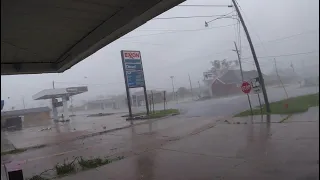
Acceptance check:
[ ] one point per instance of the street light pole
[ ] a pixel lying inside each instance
(173, 93)
(254, 58)
(190, 86)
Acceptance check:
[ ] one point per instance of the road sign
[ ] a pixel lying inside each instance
(255, 84)
(133, 68)
(245, 87)
(133, 75)
(135, 79)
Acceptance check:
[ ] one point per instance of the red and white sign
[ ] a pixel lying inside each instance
(131, 55)
(245, 87)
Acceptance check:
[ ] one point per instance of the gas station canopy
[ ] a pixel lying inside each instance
(59, 92)
(51, 36)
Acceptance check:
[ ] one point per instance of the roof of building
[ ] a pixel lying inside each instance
(59, 92)
(51, 36)
(234, 76)
(21, 112)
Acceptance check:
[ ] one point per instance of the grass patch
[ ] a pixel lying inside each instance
(155, 114)
(14, 151)
(100, 114)
(163, 113)
(92, 163)
(65, 168)
(96, 162)
(135, 114)
(295, 105)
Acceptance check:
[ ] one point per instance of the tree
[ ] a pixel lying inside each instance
(236, 62)
(217, 64)
(182, 91)
(225, 64)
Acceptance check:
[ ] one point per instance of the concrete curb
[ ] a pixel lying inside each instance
(286, 118)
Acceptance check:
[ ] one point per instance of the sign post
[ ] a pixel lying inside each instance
(255, 84)
(246, 88)
(133, 75)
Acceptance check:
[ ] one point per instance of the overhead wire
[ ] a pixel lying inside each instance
(177, 31)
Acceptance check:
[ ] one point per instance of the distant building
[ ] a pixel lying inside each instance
(29, 117)
(138, 98)
(229, 82)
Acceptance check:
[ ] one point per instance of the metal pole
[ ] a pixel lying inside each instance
(152, 102)
(127, 87)
(199, 89)
(24, 105)
(53, 84)
(242, 75)
(260, 104)
(146, 98)
(190, 86)
(254, 57)
(173, 93)
(164, 100)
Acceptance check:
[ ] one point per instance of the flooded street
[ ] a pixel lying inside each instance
(81, 125)
(202, 148)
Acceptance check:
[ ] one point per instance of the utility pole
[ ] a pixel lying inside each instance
(173, 93)
(190, 86)
(292, 66)
(275, 65)
(199, 89)
(254, 57)
(238, 54)
(24, 105)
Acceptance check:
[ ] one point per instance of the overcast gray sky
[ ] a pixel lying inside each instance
(277, 27)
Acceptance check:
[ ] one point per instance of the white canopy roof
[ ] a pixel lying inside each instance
(59, 92)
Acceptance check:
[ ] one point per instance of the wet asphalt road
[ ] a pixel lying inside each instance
(194, 148)
(197, 117)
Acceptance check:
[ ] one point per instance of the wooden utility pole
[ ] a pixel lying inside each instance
(190, 86)
(275, 65)
(254, 57)
(238, 54)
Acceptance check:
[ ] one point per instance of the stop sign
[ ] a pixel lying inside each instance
(245, 87)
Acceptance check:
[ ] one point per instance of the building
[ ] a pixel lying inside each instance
(26, 117)
(138, 98)
(64, 94)
(229, 82)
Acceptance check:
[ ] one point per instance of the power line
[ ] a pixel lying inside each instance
(172, 32)
(283, 55)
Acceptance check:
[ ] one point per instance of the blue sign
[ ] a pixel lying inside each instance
(133, 68)
(135, 79)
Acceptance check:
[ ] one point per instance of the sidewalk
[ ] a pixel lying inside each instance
(258, 150)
